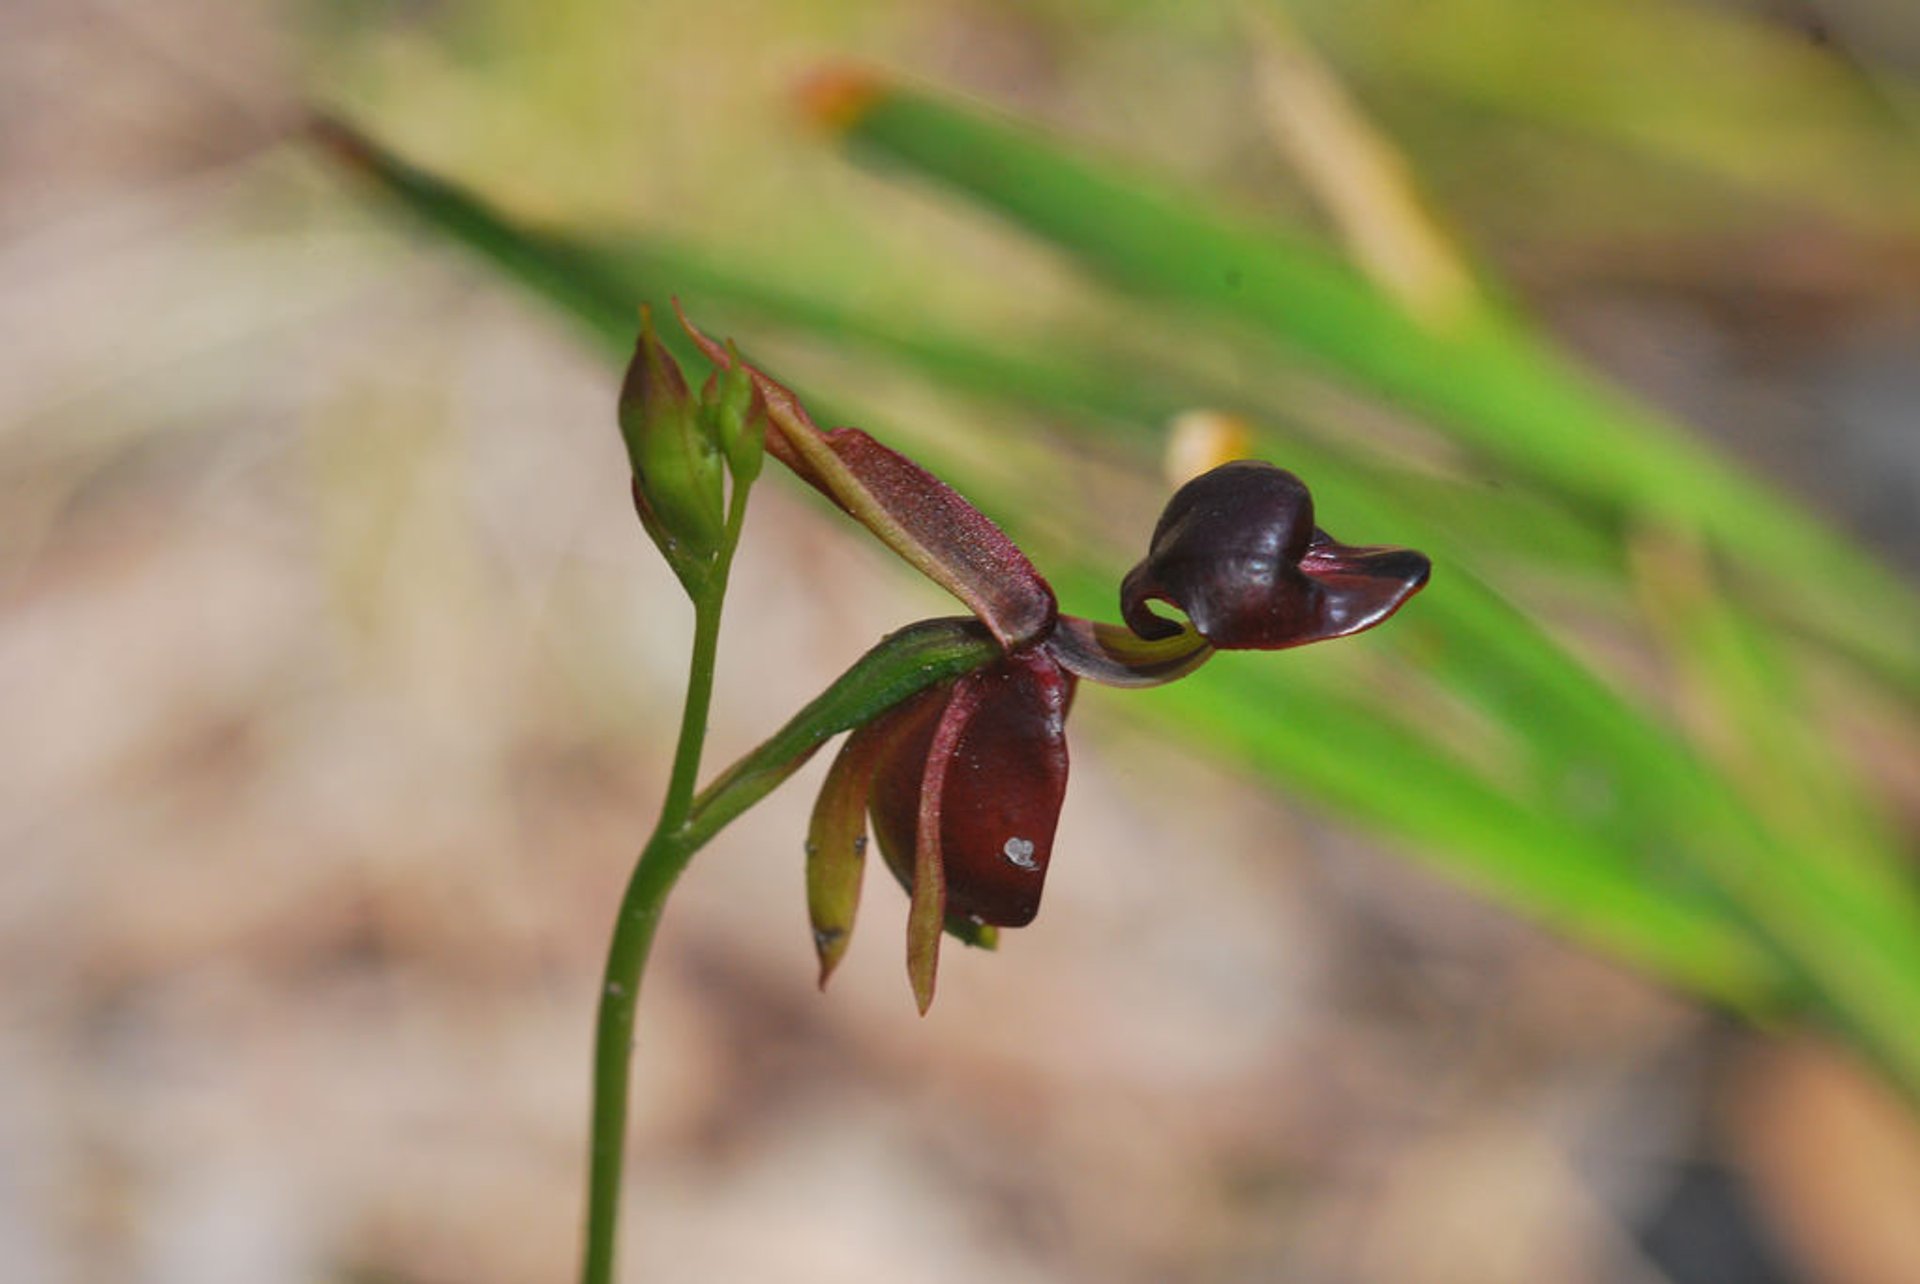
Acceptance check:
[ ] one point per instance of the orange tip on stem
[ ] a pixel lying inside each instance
(836, 98)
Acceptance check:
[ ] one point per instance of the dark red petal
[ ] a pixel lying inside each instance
(927, 908)
(1237, 550)
(894, 803)
(913, 512)
(1000, 795)
(948, 539)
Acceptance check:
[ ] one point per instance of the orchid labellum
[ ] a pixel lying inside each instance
(962, 783)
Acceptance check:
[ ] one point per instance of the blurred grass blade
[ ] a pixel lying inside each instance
(1360, 178)
(1751, 713)
(1669, 827)
(1833, 847)
(553, 268)
(1739, 95)
(1488, 381)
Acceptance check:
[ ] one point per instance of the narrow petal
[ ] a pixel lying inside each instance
(926, 916)
(943, 536)
(913, 512)
(1237, 550)
(837, 838)
(894, 801)
(966, 799)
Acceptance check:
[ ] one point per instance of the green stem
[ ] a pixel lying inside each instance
(653, 877)
(654, 874)
(693, 719)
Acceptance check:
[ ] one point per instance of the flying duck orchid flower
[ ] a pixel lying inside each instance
(962, 782)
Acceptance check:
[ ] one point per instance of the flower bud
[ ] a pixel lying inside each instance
(737, 418)
(677, 482)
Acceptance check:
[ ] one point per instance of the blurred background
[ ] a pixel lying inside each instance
(1561, 931)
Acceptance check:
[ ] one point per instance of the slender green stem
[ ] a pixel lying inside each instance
(693, 719)
(654, 874)
(653, 877)
(665, 855)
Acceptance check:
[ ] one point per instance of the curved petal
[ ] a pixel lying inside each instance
(913, 512)
(927, 909)
(837, 832)
(1237, 550)
(941, 535)
(837, 849)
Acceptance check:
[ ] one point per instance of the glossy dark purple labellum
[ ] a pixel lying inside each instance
(1237, 550)
(994, 785)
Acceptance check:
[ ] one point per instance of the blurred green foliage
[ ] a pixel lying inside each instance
(1736, 852)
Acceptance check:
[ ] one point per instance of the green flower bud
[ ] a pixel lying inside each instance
(737, 416)
(677, 476)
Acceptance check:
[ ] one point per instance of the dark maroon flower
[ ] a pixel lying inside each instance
(963, 782)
